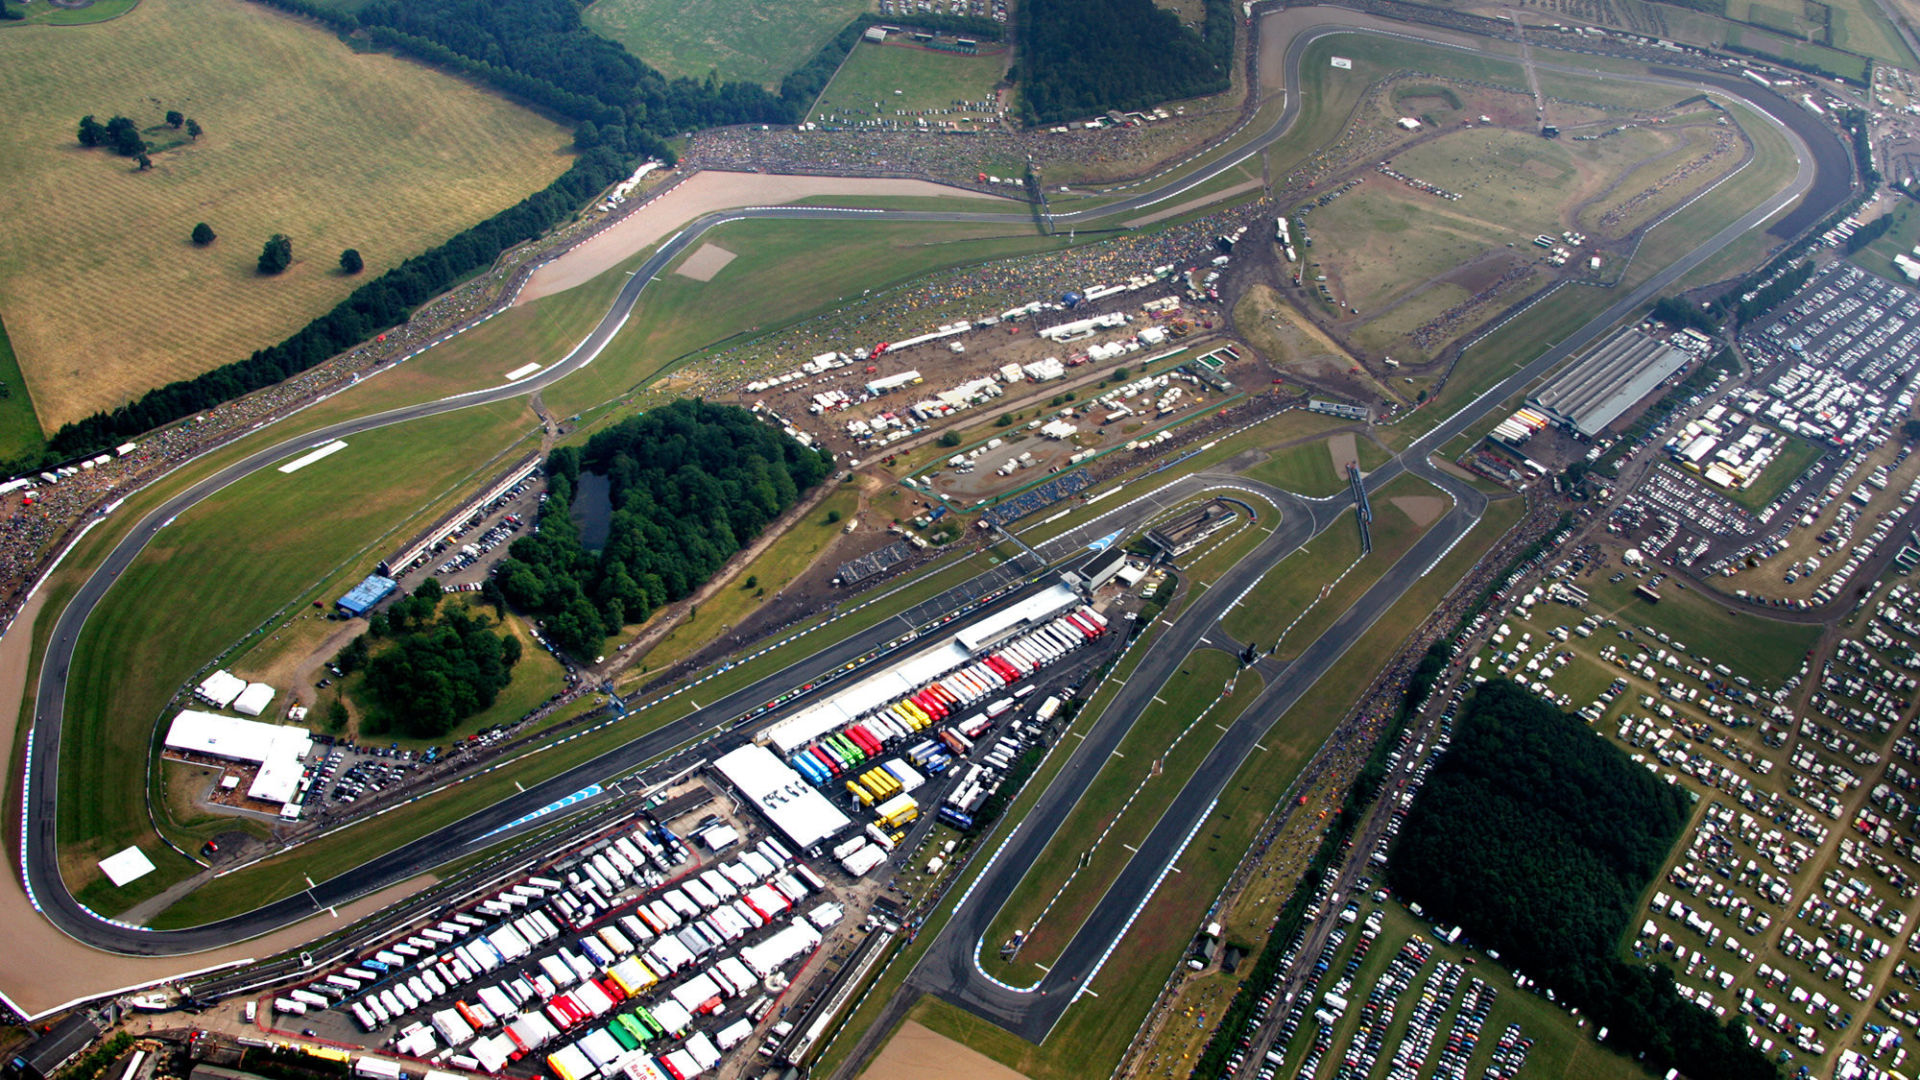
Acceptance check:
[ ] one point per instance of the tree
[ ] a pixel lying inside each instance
(350, 262)
(1911, 430)
(950, 439)
(193, 128)
(277, 255)
(752, 582)
(203, 234)
(336, 715)
(143, 162)
(175, 118)
(92, 132)
(125, 137)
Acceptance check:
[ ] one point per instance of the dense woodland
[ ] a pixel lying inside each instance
(690, 484)
(1085, 57)
(428, 668)
(1538, 837)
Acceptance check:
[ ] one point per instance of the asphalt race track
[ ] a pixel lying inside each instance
(948, 968)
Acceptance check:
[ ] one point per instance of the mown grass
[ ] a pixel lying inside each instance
(212, 576)
(878, 79)
(49, 15)
(1793, 463)
(1743, 640)
(1306, 469)
(757, 43)
(20, 432)
(104, 294)
(1290, 587)
(679, 316)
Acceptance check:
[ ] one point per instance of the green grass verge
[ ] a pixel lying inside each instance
(1128, 796)
(1791, 465)
(1291, 586)
(879, 80)
(759, 43)
(20, 434)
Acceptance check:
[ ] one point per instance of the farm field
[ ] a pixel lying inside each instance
(327, 526)
(102, 306)
(748, 42)
(905, 77)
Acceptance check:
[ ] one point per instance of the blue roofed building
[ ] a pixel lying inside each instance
(363, 597)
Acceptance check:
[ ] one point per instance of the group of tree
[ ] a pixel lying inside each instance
(7, 12)
(1538, 836)
(123, 137)
(428, 668)
(1672, 309)
(1083, 57)
(689, 484)
(1864, 236)
(381, 303)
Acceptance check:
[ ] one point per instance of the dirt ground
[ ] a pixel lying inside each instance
(700, 194)
(918, 1053)
(706, 262)
(1423, 509)
(1343, 449)
(42, 969)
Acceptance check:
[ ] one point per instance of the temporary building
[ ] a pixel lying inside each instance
(254, 699)
(221, 688)
(275, 748)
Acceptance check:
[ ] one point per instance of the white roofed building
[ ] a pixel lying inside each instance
(277, 750)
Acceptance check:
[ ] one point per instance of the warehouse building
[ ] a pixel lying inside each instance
(1341, 409)
(278, 751)
(422, 544)
(1597, 388)
(53, 1051)
(367, 595)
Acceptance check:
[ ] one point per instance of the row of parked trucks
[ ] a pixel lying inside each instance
(926, 711)
(588, 990)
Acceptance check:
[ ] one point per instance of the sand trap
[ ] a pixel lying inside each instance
(703, 193)
(706, 262)
(1343, 450)
(918, 1053)
(1423, 509)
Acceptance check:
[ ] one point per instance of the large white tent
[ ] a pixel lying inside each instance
(254, 699)
(276, 749)
(221, 688)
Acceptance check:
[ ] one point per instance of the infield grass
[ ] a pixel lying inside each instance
(216, 573)
(103, 293)
(751, 41)
(1743, 640)
(1159, 753)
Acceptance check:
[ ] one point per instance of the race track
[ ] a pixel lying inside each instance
(948, 968)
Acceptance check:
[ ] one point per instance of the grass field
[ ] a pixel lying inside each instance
(1793, 462)
(1290, 587)
(49, 15)
(877, 80)
(682, 315)
(1767, 650)
(321, 525)
(746, 40)
(1306, 469)
(304, 136)
(19, 429)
